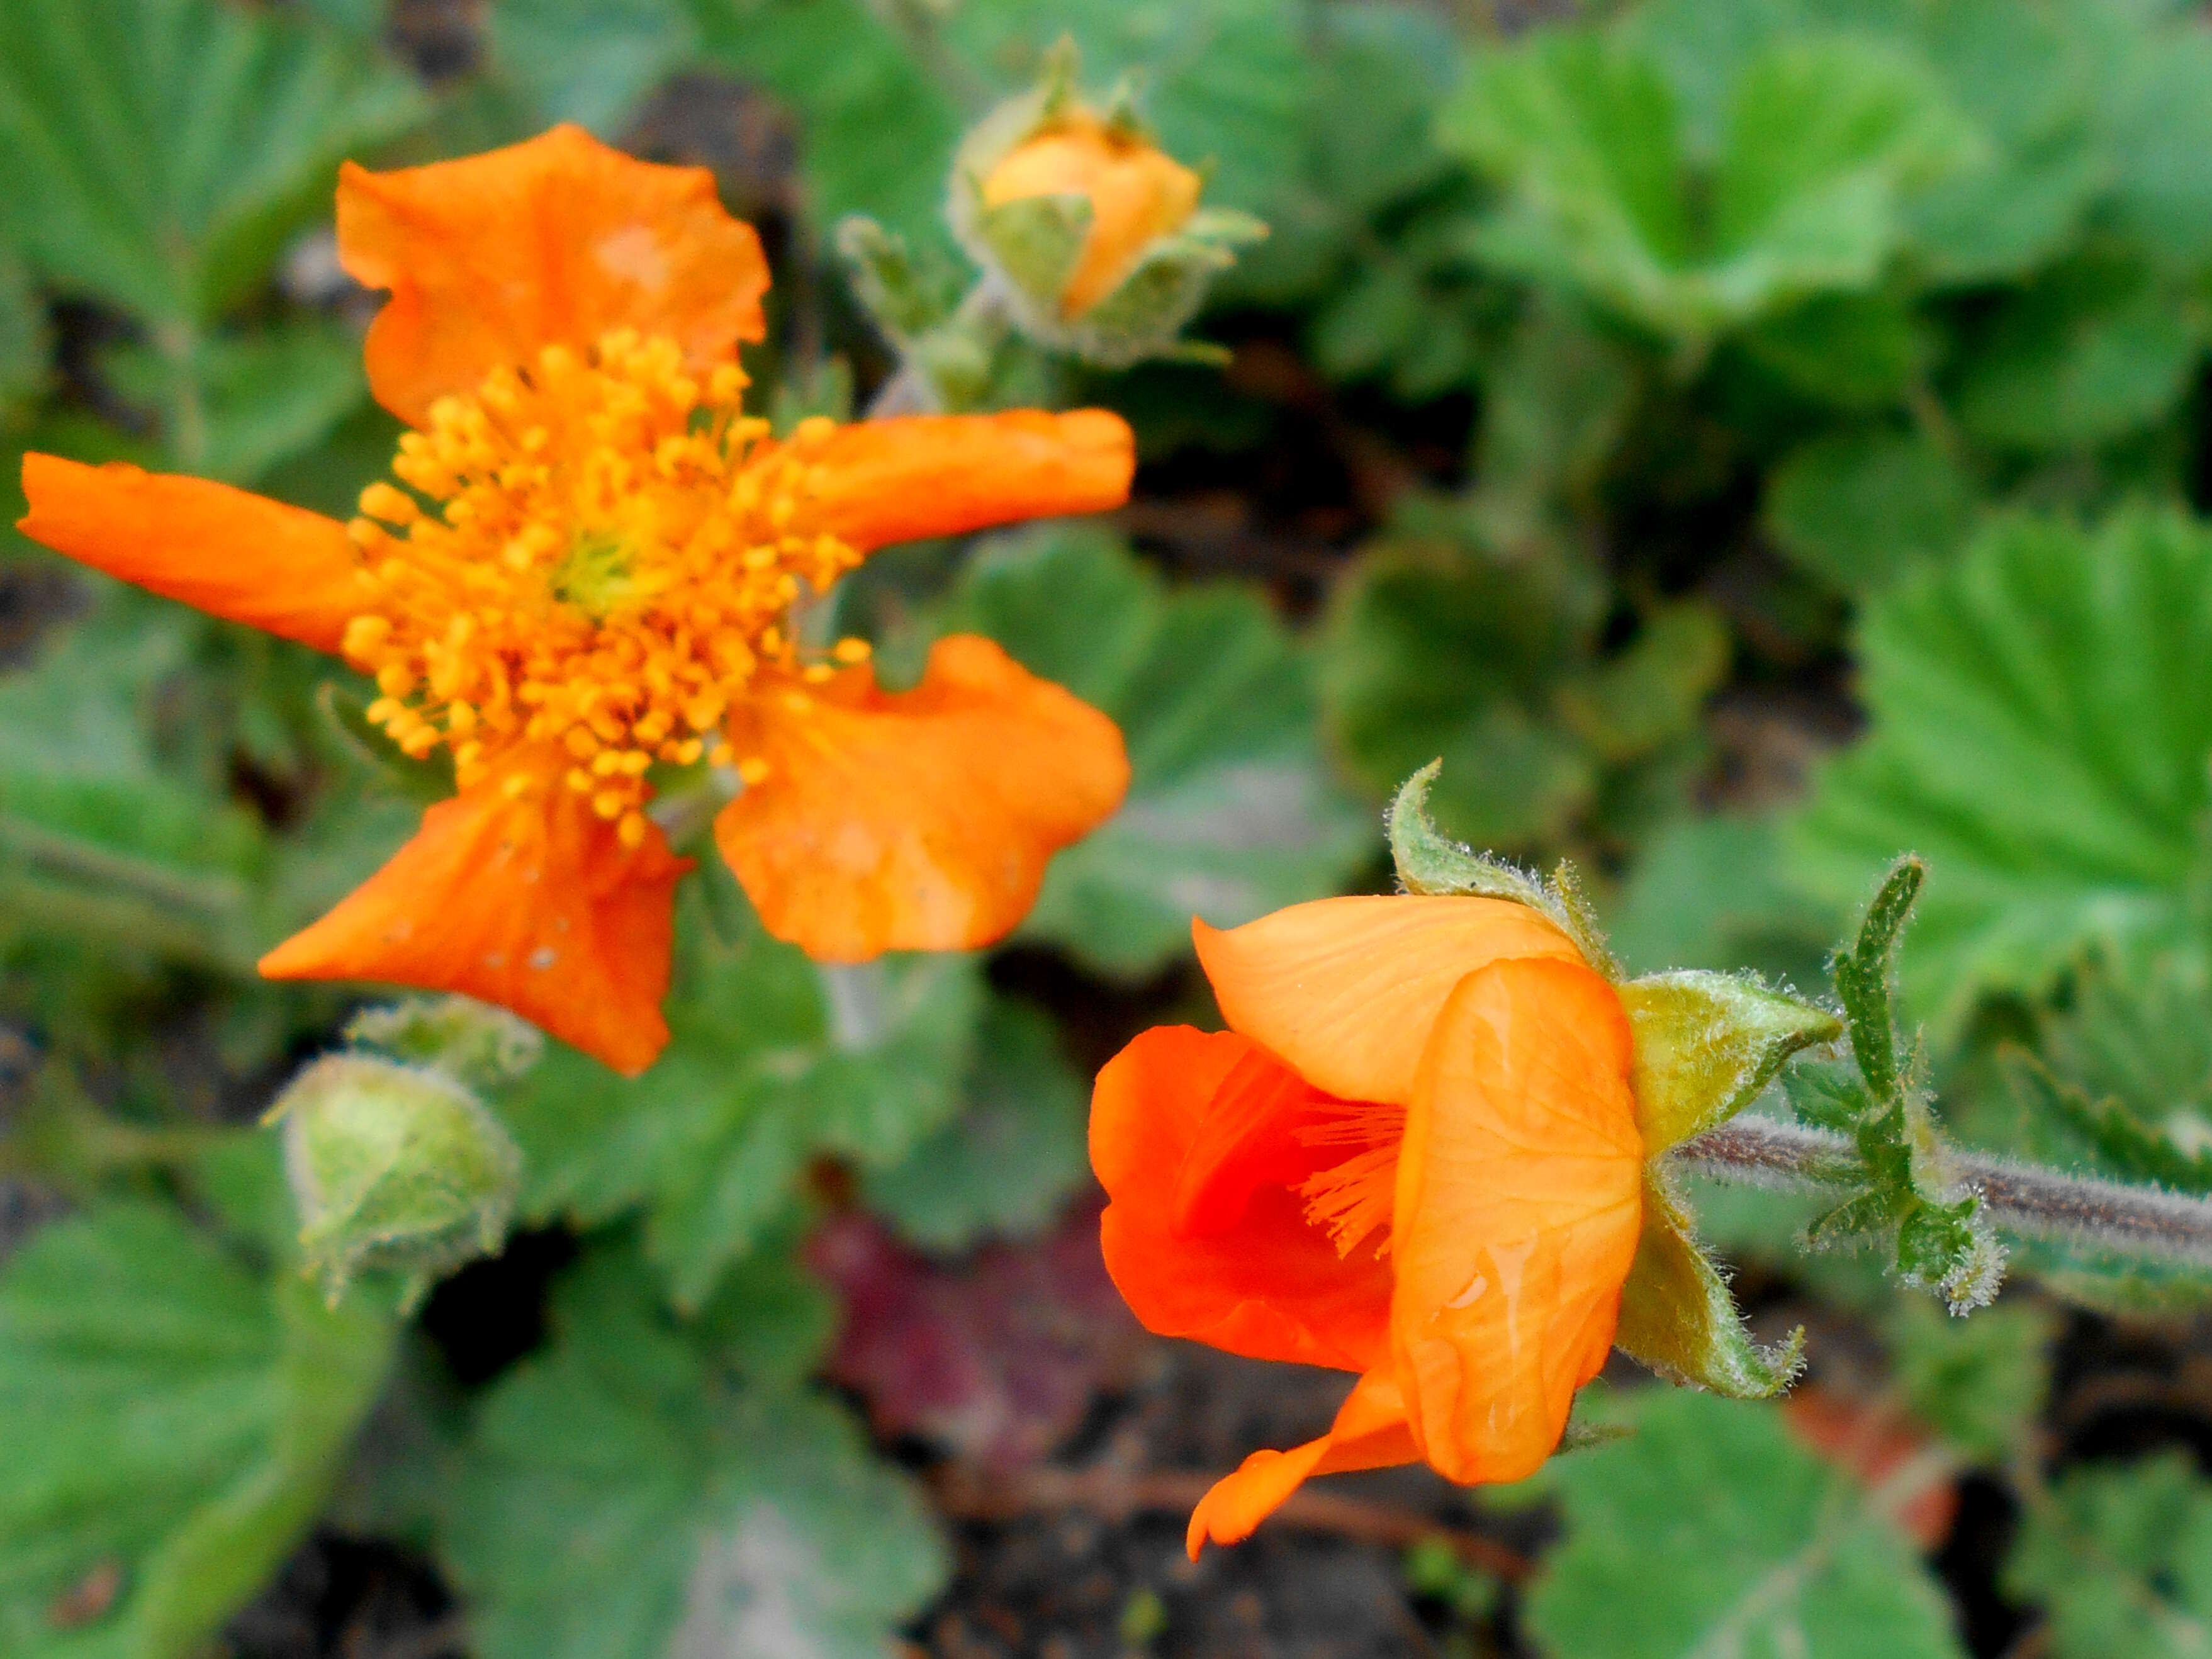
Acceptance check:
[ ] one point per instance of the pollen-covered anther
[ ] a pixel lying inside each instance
(604, 555)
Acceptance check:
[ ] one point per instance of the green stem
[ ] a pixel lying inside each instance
(2024, 1199)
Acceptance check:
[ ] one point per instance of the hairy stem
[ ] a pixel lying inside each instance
(2020, 1199)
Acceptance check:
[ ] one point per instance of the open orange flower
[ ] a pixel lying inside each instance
(592, 572)
(1414, 1155)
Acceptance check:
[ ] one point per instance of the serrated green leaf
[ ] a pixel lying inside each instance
(257, 400)
(2158, 116)
(2120, 1557)
(1010, 1159)
(1851, 350)
(191, 1418)
(2119, 1143)
(1231, 811)
(1713, 892)
(24, 341)
(2094, 349)
(1776, 1554)
(1859, 509)
(155, 153)
(625, 1496)
(2038, 733)
(773, 1063)
(1979, 1383)
(1584, 133)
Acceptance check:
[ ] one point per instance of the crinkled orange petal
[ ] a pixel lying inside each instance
(555, 241)
(1519, 1203)
(531, 903)
(1261, 1281)
(917, 820)
(908, 478)
(225, 551)
(1346, 989)
(1369, 1433)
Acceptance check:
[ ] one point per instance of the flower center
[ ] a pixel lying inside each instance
(597, 557)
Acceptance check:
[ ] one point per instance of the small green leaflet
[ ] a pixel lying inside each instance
(2038, 733)
(640, 1491)
(1859, 508)
(2120, 1558)
(154, 153)
(774, 1063)
(191, 1416)
(1231, 812)
(1711, 1531)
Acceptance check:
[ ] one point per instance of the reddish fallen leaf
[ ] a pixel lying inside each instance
(1873, 1442)
(994, 1356)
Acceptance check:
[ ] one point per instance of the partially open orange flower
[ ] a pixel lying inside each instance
(1414, 1155)
(591, 572)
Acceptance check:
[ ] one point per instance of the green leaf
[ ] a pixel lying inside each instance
(1711, 1531)
(1585, 134)
(1713, 892)
(773, 1063)
(1979, 1383)
(1859, 509)
(2037, 732)
(154, 153)
(192, 1419)
(253, 401)
(2160, 111)
(637, 1490)
(2119, 1143)
(1851, 350)
(24, 343)
(1009, 1161)
(591, 61)
(2095, 349)
(2120, 1557)
(1231, 811)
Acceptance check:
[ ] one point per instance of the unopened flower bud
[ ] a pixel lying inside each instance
(394, 1168)
(479, 1044)
(1095, 233)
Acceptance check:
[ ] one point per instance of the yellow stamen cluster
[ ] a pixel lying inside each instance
(599, 555)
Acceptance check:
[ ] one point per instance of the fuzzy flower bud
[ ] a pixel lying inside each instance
(394, 1168)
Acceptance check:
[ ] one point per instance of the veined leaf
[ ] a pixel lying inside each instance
(1231, 812)
(155, 153)
(2038, 733)
(641, 1491)
(1859, 509)
(590, 61)
(1776, 1552)
(182, 1420)
(773, 1062)
(2120, 1555)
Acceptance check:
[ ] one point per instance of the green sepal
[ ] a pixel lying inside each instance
(1706, 1045)
(1035, 240)
(1152, 305)
(1678, 1319)
(891, 288)
(471, 1042)
(1430, 863)
(394, 1168)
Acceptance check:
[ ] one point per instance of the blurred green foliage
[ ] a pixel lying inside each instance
(1746, 439)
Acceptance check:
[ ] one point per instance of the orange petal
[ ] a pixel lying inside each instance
(532, 903)
(912, 476)
(1257, 1278)
(219, 549)
(1369, 1433)
(1346, 989)
(556, 241)
(1137, 194)
(1518, 1207)
(918, 820)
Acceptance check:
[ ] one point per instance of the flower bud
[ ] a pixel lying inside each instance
(394, 1168)
(1095, 233)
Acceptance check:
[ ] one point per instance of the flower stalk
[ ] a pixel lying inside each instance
(2023, 1199)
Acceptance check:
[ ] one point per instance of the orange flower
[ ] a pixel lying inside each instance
(591, 572)
(1414, 1155)
(1137, 194)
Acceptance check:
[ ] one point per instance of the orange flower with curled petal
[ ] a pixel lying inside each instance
(587, 571)
(1414, 1155)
